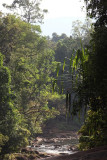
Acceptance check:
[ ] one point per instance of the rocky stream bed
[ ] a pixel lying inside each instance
(60, 146)
(56, 143)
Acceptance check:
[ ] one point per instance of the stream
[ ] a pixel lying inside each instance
(57, 144)
(52, 149)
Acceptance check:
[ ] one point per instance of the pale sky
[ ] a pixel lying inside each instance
(63, 8)
(60, 15)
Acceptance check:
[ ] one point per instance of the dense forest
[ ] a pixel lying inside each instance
(42, 77)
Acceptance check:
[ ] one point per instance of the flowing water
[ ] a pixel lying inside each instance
(55, 145)
(52, 149)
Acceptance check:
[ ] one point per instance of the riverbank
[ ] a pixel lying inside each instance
(55, 142)
(99, 153)
(58, 144)
(50, 144)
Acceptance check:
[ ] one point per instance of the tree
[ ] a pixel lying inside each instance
(65, 49)
(87, 91)
(31, 64)
(55, 37)
(29, 10)
(11, 123)
(81, 30)
(96, 80)
(91, 90)
(98, 10)
(61, 51)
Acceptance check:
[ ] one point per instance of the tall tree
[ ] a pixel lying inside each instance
(92, 81)
(88, 83)
(31, 64)
(29, 10)
(11, 123)
(97, 9)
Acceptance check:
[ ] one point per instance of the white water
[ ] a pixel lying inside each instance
(55, 145)
(53, 149)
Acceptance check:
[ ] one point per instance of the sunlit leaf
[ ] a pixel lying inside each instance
(57, 70)
(64, 65)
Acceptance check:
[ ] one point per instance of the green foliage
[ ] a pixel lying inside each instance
(1, 60)
(91, 90)
(11, 127)
(8, 157)
(30, 10)
(5, 75)
(58, 68)
(31, 64)
(3, 140)
(98, 10)
(56, 38)
(26, 74)
(20, 31)
(61, 51)
(58, 102)
(85, 76)
(65, 51)
(91, 87)
(82, 31)
(93, 131)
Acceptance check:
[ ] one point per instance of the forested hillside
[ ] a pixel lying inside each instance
(86, 78)
(43, 77)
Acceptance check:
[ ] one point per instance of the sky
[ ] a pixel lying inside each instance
(61, 14)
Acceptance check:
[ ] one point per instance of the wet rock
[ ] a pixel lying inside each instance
(26, 156)
(29, 151)
(75, 148)
(31, 157)
(42, 155)
(50, 141)
(36, 152)
(63, 136)
(63, 154)
(39, 139)
(38, 145)
(25, 150)
(21, 158)
(56, 146)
